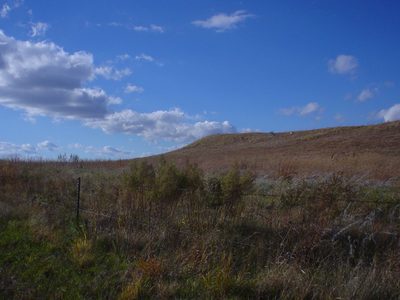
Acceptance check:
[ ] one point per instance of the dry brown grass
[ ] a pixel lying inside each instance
(369, 151)
(305, 239)
(322, 227)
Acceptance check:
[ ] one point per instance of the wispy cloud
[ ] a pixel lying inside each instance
(123, 57)
(148, 58)
(366, 94)
(309, 108)
(5, 9)
(110, 72)
(151, 28)
(131, 88)
(10, 149)
(103, 152)
(144, 57)
(390, 114)
(38, 29)
(148, 28)
(343, 65)
(222, 22)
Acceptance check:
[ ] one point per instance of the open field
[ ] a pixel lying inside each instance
(289, 216)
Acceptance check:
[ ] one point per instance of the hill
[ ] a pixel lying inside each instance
(372, 151)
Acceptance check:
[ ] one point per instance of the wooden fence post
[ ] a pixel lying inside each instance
(78, 196)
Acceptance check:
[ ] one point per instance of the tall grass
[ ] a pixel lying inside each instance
(167, 232)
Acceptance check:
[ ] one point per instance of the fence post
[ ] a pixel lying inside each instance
(78, 196)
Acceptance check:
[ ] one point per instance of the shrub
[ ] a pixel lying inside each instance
(234, 185)
(168, 182)
(214, 192)
(140, 180)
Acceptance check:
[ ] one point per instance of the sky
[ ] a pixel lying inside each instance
(122, 79)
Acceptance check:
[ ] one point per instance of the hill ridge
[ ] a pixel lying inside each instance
(368, 149)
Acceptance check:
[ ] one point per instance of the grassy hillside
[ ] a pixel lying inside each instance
(369, 151)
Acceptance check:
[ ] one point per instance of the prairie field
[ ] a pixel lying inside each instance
(175, 227)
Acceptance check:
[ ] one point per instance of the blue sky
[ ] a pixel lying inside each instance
(121, 79)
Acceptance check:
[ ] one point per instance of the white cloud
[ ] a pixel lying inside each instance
(106, 151)
(343, 64)
(131, 88)
(114, 151)
(169, 125)
(222, 22)
(309, 108)
(366, 94)
(149, 28)
(109, 72)
(47, 145)
(139, 28)
(10, 149)
(38, 29)
(42, 79)
(123, 57)
(115, 24)
(390, 114)
(144, 57)
(5, 9)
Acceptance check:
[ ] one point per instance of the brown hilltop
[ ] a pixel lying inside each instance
(372, 151)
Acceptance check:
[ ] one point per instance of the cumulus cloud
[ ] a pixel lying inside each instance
(149, 28)
(343, 65)
(170, 125)
(38, 29)
(309, 108)
(366, 94)
(42, 79)
(131, 88)
(222, 22)
(390, 114)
